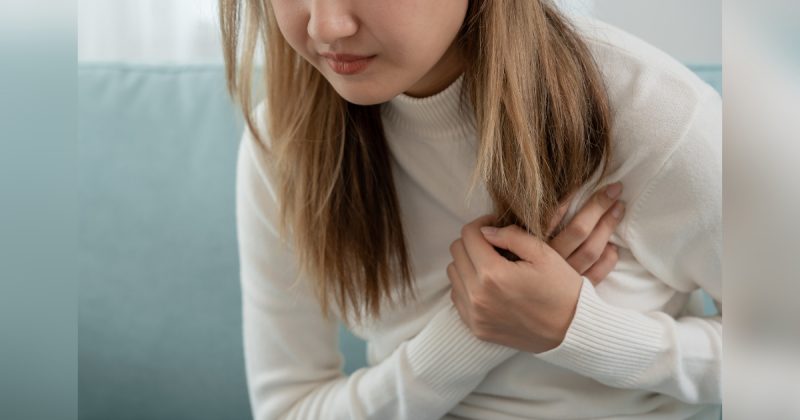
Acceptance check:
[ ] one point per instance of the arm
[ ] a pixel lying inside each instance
(675, 232)
(293, 365)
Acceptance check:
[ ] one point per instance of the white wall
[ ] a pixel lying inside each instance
(186, 31)
(690, 30)
(149, 31)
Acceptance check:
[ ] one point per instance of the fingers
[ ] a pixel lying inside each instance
(589, 252)
(480, 251)
(582, 225)
(458, 290)
(603, 266)
(461, 261)
(514, 239)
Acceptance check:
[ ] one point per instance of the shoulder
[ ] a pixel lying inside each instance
(666, 136)
(658, 105)
(253, 147)
(646, 87)
(626, 60)
(261, 136)
(253, 163)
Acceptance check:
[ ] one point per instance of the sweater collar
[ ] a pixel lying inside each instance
(436, 116)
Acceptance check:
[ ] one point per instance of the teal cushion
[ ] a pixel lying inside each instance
(160, 315)
(710, 73)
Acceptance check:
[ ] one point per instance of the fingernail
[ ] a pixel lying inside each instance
(618, 209)
(613, 190)
(489, 230)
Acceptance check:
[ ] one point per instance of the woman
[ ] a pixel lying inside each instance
(408, 171)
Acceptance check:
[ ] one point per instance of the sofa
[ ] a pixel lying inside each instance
(159, 303)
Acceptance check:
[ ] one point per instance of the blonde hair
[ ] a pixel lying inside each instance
(543, 125)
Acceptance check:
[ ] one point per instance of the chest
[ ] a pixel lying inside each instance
(432, 186)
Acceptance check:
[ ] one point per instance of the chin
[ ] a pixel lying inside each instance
(363, 95)
(362, 102)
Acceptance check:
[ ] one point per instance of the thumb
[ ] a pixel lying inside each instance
(514, 239)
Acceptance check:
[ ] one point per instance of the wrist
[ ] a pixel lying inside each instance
(560, 323)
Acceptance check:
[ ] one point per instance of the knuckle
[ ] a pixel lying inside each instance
(480, 325)
(590, 255)
(596, 273)
(486, 277)
(578, 230)
(579, 261)
(590, 274)
(454, 246)
(475, 302)
(602, 199)
(609, 219)
(490, 283)
(479, 304)
(594, 278)
(611, 253)
(465, 229)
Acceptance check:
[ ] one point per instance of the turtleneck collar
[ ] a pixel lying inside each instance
(436, 116)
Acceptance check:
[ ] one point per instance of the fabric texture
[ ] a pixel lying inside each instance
(634, 348)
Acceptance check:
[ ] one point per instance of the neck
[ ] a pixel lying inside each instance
(442, 75)
(437, 116)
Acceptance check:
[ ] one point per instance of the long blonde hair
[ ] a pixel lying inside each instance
(543, 124)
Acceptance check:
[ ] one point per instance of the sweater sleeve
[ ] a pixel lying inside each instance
(675, 232)
(292, 361)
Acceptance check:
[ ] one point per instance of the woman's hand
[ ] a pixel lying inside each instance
(584, 241)
(526, 304)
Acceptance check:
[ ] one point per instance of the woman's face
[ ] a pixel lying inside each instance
(410, 44)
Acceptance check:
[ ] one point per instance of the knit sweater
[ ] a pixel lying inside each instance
(633, 349)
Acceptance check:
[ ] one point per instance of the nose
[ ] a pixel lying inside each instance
(331, 20)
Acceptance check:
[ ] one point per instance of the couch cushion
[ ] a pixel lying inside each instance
(159, 305)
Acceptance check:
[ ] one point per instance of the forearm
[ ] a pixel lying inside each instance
(628, 349)
(424, 378)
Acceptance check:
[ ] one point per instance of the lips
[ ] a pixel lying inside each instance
(345, 58)
(347, 64)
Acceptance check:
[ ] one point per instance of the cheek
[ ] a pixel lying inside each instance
(292, 23)
(423, 32)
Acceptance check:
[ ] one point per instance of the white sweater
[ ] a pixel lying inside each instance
(632, 350)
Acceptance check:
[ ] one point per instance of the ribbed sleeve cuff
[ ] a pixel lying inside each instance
(446, 355)
(610, 344)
